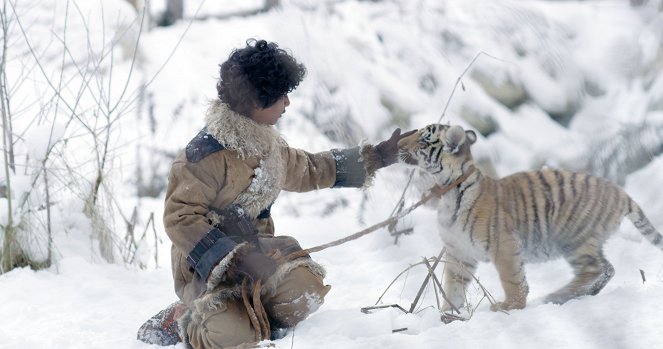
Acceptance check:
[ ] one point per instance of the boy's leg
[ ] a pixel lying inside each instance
(297, 295)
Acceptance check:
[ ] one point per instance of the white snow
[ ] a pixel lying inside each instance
(380, 65)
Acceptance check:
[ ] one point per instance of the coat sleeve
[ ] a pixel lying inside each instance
(191, 187)
(329, 169)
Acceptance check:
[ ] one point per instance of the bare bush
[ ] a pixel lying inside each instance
(60, 139)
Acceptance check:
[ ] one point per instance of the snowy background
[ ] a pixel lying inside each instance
(574, 84)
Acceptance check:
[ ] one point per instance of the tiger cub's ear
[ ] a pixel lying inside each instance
(455, 137)
(471, 136)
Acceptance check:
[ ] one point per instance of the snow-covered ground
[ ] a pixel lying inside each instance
(84, 305)
(376, 65)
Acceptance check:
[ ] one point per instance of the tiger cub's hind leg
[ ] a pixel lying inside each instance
(592, 272)
(457, 275)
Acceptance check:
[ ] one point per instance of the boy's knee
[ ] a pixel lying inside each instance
(299, 294)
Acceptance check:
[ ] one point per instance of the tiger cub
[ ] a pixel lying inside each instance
(525, 217)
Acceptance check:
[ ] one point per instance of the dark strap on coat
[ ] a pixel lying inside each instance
(201, 146)
(207, 253)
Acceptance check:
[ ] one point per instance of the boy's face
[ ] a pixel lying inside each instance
(271, 114)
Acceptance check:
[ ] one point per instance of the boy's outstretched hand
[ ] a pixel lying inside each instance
(388, 150)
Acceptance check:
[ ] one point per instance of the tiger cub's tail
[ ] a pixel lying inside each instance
(643, 224)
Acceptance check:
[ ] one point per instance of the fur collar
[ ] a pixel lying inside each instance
(240, 133)
(250, 139)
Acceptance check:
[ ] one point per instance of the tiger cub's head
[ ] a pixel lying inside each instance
(437, 147)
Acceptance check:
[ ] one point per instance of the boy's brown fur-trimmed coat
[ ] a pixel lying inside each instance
(250, 168)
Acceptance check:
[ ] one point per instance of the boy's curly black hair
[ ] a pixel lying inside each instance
(257, 75)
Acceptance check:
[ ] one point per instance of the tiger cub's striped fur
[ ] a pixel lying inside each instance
(525, 217)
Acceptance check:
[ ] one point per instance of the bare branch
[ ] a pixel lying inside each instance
(416, 299)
